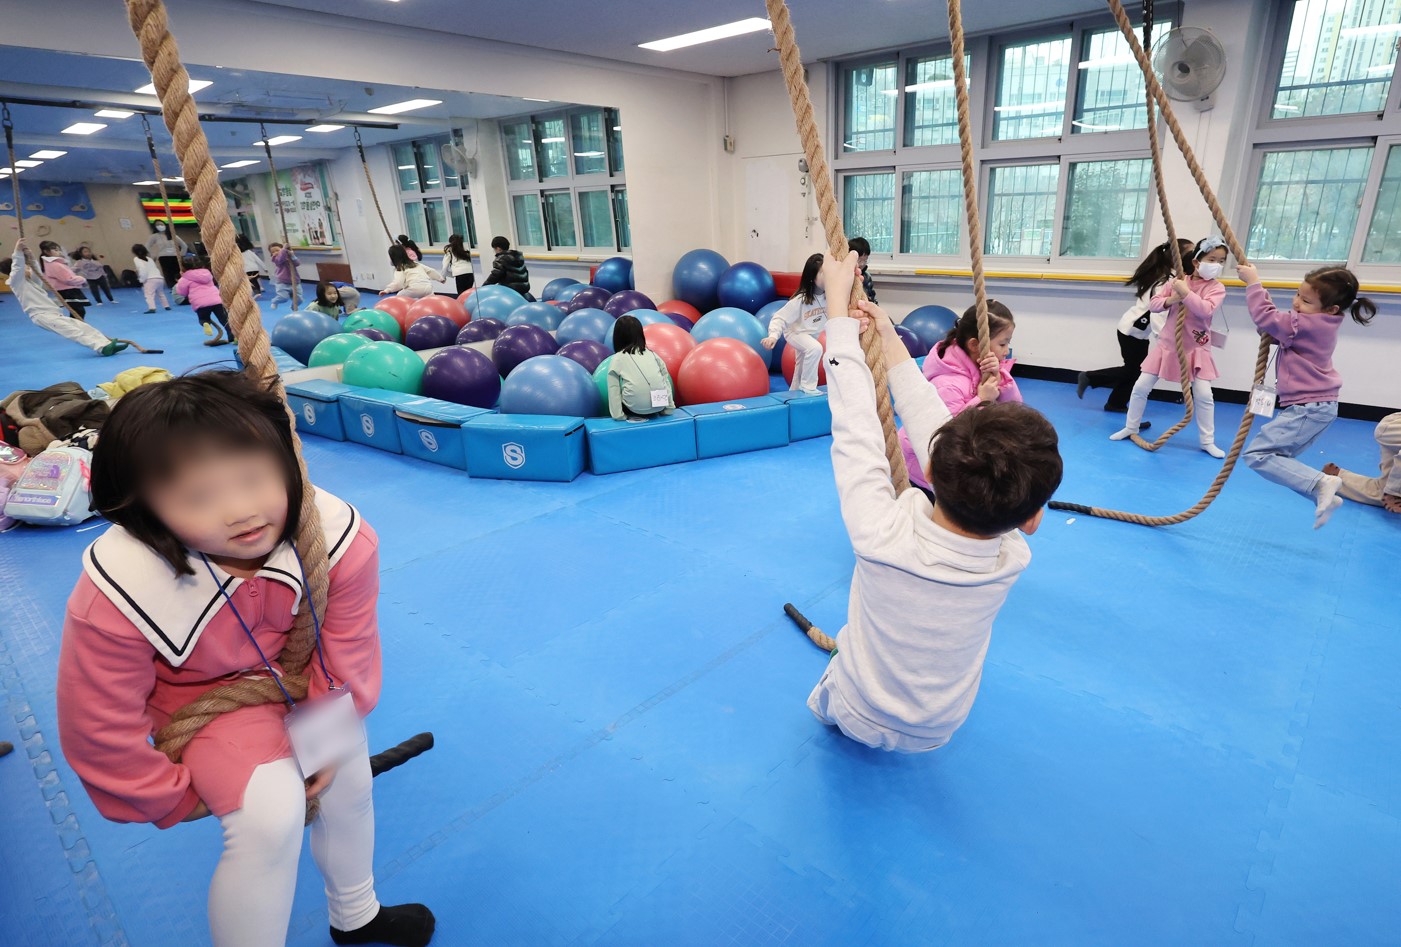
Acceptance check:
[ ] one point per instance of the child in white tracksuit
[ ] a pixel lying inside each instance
(800, 322)
(46, 313)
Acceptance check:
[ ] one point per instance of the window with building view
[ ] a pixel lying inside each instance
(434, 197)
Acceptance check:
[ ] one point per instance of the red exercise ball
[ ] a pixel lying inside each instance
(396, 306)
(671, 343)
(679, 308)
(465, 295)
(790, 361)
(721, 370)
(439, 306)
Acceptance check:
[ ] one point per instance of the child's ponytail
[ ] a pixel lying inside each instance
(1363, 311)
(1338, 287)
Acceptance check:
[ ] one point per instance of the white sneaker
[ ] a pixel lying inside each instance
(1122, 435)
(1214, 451)
(1326, 493)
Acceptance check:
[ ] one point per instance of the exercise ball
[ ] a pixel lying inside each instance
(594, 325)
(913, 343)
(374, 319)
(649, 317)
(395, 305)
(494, 302)
(721, 370)
(552, 288)
(765, 316)
(731, 323)
(600, 381)
(586, 352)
(550, 384)
(374, 335)
(463, 376)
(565, 293)
(679, 320)
(465, 295)
(614, 274)
(297, 333)
(695, 278)
(431, 332)
(620, 304)
(480, 330)
(386, 365)
(675, 307)
(334, 349)
(790, 362)
(439, 306)
(517, 344)
(543, 315)
(590, 297)
(930, 323)
(746, 286)
(671, 343)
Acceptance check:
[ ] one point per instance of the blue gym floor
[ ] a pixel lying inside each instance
(1184, 736)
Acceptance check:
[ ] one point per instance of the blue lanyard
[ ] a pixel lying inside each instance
(315, 624)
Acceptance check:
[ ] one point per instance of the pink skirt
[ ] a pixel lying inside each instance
(1162, 361)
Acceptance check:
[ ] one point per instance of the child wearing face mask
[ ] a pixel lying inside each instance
(1307, 383)
(1196, 299)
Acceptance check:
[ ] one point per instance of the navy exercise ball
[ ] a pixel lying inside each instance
(746, 286)
(696, 278)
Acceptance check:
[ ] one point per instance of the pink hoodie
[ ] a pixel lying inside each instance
(60, 275)
(198, 287)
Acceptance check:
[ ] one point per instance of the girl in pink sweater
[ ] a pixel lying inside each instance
(956, 370)
(196, 585)
(1195, 298)
(61, 277)
(197, 285)
(1307, 383)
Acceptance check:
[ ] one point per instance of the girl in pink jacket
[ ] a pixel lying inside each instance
(197, 285)
(1196, 299)
(61, 277)
(956, 369)
(196, 585)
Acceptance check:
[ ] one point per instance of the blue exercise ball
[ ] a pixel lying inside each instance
(566, 293)
(297, 333)
(732, 323)
(746, 286)
(614, 274)
(592, 325)
(494, 302)
(930, 324)
(648, 316)
(696, 278)
(543, 315)
(913, 344)
(480, 330)
(553, 287)
(765, 315)
(550, 384)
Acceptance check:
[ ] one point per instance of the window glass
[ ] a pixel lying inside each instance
(1110, 91)
(529, 231)
(868, 208)
(1022, 209)
(437, 221)
(427, 154)
(931, 111)
(870, 93)
(1031, 90)
(931, 212)
(1306, 203)
(520, 151)
(1339, 57)
(620, 216)
(1106, 203)
(559, 219)
(554, 147)
(590, 156)
(615, 140)
(406, 167)
(1384, 235)
(413, 222)
(596, 218)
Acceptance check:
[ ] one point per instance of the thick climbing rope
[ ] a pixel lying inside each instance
(282, 217)
(370, 181)
(821, 176)
(160, 177)
(162, 57)
(1157, 94)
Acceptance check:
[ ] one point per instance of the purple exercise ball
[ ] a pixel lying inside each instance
(565, 293)
(586, 352)
(622, 303)
(680, 320)
(590, 297)
(430, 332)
(375, 335)
(463, 376)
(480, 330)
(518, 344)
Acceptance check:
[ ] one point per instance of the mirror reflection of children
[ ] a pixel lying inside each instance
(328, 300)
(412, 279)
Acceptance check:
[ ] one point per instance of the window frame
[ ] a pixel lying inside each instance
(441, 192)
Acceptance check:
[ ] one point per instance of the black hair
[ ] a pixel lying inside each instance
(1337, 286)
(192, 262)
(628, 338)
(406, 242)
(244, 244)
(807, 283)
(994, 466)
(78, 253)
(152, 427)
(140, 252)
(1156, 267)
(399, 257)
(459, 250)
(500, 244)
(44, 246)
(861, 245)
(7, 266)
(321, 288)
(1189, 262)
(966, 328)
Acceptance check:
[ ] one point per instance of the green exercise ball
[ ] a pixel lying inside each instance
(374, 319)
(386, 365)
(335, 349)
(600, 378)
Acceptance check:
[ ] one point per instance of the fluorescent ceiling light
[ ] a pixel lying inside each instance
(1030, 106)
(407, 106)
(1382, 69)
(1097, 128)
(1287, 108)
(28, 164)
(83, 128)
(527, 98)
(113, 113)
(407, 167)
(326, 128)
(588, 154)
(46, 154)
(1107, 61)
(143, 183)
(617, 128)
(239, 164)
(1372, 30)
(172, 179)
(278, 140)
(739, 28)
(195, 85)
(551, 141)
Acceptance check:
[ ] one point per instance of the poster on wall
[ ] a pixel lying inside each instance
(305, 195)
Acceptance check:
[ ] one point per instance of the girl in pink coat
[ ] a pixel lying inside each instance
(61, 277)
(197, 285)
(955, 368)
(1196, 299)
(196, 585)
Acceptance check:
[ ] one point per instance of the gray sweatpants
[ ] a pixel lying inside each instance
(1371, 489)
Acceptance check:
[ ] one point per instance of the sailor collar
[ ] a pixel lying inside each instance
(172, 611)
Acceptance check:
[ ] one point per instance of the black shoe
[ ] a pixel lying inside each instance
(1082, 381)
(6, 748)
(1145, 426)
(402, 925)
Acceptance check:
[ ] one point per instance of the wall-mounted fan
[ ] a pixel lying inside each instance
(455, 156)
(1190, 63)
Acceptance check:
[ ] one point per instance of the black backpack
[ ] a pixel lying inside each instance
(129, 279)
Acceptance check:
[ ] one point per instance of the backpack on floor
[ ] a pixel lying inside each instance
(129, 279)
(54, 489)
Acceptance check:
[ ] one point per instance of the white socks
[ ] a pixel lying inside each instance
(1214, 451)
(1326, 493)
(1124, 433)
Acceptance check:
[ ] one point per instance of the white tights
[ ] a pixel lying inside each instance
(1205, 411)
(250, 897)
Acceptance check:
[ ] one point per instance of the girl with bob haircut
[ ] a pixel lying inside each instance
(197, 583)
(639, 385)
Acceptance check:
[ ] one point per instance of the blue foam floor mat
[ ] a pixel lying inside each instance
(1187, 735)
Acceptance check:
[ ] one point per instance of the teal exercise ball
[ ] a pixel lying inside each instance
(386, 365)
